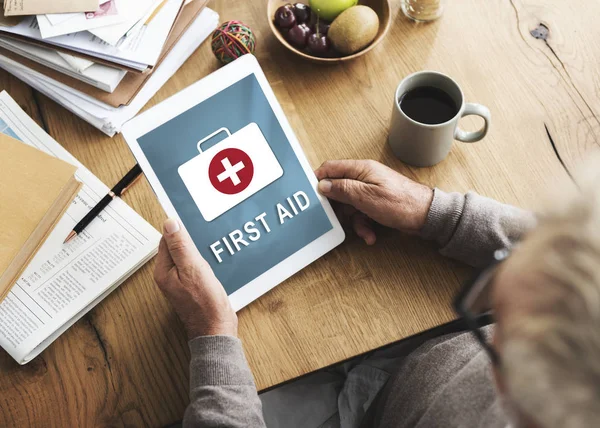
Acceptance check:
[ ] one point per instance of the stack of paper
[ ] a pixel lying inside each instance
(65, 281)
(104, 65)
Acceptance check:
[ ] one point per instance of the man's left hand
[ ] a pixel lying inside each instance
(188, 282)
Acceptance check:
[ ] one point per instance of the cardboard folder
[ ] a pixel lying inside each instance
(132, 83)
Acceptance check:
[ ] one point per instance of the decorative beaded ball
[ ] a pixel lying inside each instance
(232, 40)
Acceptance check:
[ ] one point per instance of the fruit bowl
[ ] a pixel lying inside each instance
(381, 8)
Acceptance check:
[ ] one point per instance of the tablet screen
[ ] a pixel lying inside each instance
(236, 183)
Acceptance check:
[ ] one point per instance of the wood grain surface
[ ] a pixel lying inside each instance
(533, 63)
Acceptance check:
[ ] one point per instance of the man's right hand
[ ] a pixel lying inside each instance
(375, 193)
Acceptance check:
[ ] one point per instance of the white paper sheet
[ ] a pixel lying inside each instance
(135, 10)
(97, 75)
(78, 64)
(64, 281)
(110, 13)
(57, 18)
(102, 116)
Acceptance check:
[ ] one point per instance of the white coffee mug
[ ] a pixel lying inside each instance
(420, 144)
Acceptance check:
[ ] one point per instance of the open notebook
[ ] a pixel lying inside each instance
(64, 281)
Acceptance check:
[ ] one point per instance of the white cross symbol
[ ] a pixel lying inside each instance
(231, 171)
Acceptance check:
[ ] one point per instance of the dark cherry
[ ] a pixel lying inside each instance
(284, 16)
(318, 44)
(322, 27)
(298, 35)
(284, 32)
(302, 13)
(319, 24)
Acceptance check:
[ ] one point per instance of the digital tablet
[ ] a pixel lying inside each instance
(223, 159)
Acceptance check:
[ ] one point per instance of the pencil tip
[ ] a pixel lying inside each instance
(72, 235)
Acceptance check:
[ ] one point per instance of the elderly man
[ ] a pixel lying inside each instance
(542, 367)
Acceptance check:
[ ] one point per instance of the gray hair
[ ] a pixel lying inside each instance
(551, 358)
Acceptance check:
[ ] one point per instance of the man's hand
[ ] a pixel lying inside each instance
(189, 283)
(375, 192)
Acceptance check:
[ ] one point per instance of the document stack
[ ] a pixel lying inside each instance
(101, 59)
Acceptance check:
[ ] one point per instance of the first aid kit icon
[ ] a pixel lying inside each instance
(231, 171)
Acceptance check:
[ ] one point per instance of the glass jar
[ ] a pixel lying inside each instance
(423, 10)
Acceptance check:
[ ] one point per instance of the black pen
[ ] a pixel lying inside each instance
(125, 183)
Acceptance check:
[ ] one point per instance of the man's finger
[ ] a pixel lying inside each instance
(164, 262)
(354, 169)
(362, 227)
(182, 250)
(344, 190)
(347, 210)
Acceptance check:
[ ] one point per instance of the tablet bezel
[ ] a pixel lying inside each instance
(190, 97)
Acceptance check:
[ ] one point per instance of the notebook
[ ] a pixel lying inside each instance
(65, 281)
(35, 191)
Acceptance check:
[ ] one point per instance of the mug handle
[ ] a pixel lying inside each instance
(472, 137)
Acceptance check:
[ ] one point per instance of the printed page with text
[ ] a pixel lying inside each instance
(64, 281)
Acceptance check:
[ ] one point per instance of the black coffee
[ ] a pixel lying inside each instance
(428, 105)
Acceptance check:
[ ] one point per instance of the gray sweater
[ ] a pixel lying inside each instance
(446, 382)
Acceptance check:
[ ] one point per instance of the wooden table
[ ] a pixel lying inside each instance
(125, 363)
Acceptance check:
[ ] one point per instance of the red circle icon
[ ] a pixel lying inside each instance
(231, 171)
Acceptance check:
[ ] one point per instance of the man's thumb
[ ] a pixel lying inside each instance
(180, 245)
(344, 190)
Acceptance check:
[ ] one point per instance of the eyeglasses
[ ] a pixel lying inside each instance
(474, 302)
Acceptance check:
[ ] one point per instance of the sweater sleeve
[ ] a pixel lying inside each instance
(222, 390)
(470, 227)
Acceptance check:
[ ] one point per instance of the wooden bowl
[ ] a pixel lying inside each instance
(381, 7)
